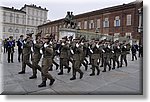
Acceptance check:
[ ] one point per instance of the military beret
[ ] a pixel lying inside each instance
(21, 35)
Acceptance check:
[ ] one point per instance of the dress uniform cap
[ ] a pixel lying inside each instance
(10, 37)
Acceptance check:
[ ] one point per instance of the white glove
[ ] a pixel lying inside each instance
(72, 51)
(24, 42)
(118, 47)
(77, 45)
(112, 51)
(103, 50)
(45, 45)
(32, 49)
(21, 47)
(50, 42)
(108, 46)
(97, 45)
(41, 52)
(91, 51)
(58, 51)
(125, 47)
(63, 44)
(69, 42)
(82, 43)
(34, 41)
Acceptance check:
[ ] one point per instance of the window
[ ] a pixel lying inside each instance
(98, 23)
(128, 19)
(106, 23)
(17, 19)
(85, 24)
(3, 29)
(91, 24)
(79, 25)
(4, 16)
(11, 17)
(32, 21)
(49, 29)
(56, 29)
(117, 21)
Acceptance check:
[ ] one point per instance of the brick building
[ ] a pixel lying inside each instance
(121, 20)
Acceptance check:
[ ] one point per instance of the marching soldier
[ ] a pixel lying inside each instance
(95, 56)
(76, 59)
(123, 53)
(64, 56)
(106, 56)
(133, 50)
(36, 55)
(116, 53)
(47, 51)
(27, 44)
(10, 49)
(20, 46)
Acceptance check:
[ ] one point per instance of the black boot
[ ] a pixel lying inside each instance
(33, 77)
(52, 82)
(57, 67)
(22, 72)
(73, 78)
(98, 71)
(93, 73)
(60, 73)
(81, 75)
(43, 84)
(68, 69)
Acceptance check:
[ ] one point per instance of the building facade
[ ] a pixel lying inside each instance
(20, 22)
(121, 20)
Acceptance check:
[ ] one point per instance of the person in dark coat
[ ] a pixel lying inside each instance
(133, 50)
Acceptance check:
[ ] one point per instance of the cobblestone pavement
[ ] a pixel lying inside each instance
(125, 80)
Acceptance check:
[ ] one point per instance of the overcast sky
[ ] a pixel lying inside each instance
(58, 8)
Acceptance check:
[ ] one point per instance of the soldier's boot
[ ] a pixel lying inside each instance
(109, 67)
(43, 84)
(113, 65)
(51, 68)
(81, 75)
(98, 70)
(117, 64)
(85, 65)
(33, 77)
(73, 78)
(125, 62)
(61, 72)
(52, 82)
(93, 72)
(69, 69)
(22, 72)
(104, 69)
(57, 66)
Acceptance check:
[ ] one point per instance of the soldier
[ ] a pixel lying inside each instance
(36, 55)
(20, 46)
(47, 50)
(76, 59)
(10, 48)
(106, 56)
(123, 53)
(27, 44)
(64, 56)
(116, 53)
(95, 56)
(133, 50)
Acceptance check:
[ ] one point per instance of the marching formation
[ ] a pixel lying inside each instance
(79, 51)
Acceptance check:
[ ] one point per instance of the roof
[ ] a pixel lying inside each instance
(97, 12)
(12, 9)
(34, 6)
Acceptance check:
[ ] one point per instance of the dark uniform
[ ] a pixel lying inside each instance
(64, 56)
(36, 55)
(10, 49)
(76, 59)
(95, 56)
(133, 50)
(28, 43)
(123, 54)
(47, 61)
(20, 46)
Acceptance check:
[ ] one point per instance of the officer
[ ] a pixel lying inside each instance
(27, 44)
(47, 51)
(64, 56)
(106, 56)
(76, 59)
(10, 48)
(20, 46)
(95, 56)
(123, 53)
(116, 54)
(36, 55)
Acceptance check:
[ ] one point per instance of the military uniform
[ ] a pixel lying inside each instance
(47, 61)
(76, 60)
(36, 56)
(64, 57)
(95, 56)
(28, 43)
(20, 46)
(123, 54)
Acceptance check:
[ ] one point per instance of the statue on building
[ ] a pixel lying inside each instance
(69, 20)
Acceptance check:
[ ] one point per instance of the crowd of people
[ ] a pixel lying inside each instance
(79, 51)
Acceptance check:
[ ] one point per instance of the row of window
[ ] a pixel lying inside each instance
(105, 22)
(35, 12)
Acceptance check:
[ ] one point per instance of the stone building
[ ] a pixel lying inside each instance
(119, 21)
(18, 22)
